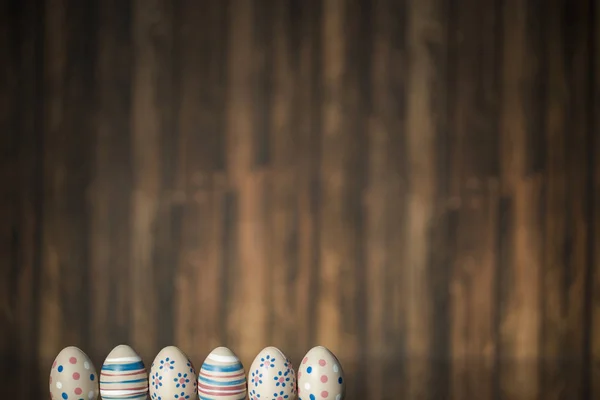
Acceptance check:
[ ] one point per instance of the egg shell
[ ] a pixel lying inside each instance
(73, 376)
(271, 375)
(222, 376)
(320, 376)
(172, 376)
(123, 375)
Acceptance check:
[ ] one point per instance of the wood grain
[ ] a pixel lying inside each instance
(412, 184)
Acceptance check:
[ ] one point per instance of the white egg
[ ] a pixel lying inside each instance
(123, 375)
(222, 376)
(73, 376)
(172, 376)
(320, 376)
(271, 376)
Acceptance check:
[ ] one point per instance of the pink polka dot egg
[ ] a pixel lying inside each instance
(73, 376)
(320, 376)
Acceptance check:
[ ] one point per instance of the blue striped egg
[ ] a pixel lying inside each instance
(222, 376)
(123, 375)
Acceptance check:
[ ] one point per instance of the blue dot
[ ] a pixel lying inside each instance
(92, 377)
(60, 368)
(340, 380)
(309, 370)
(65, 396)
(312, 397)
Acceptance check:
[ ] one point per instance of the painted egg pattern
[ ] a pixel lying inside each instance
(222, 376)
(320, 376)
(73, 376)
(123, 375)
(172, 376)
(271, 376)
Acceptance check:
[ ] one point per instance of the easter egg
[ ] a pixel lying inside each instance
(320, 376)
(172, 376)
(271, 376)
(73, 376)
(123, 375)
(222, 376)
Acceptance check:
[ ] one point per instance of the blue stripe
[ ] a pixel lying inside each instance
(123, 367)
(243, 397)
(119, 382)
(223, 368)
(222, 383)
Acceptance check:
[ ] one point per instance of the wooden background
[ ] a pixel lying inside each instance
(414, 184)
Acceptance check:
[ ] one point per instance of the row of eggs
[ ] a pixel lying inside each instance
(173, 376)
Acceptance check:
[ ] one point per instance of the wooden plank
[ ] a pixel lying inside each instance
(307, 122)
(377, 200)
(553, 369)
(474, 183)
(110, 234)
(10, 231)
(332, 181)
(284, 181)
(247, 279)
(425, 93)
(71, 174)
(27, 282)
(357, 108)
(146, 128)
(200, 180)
(170, 212)
(567, 205)
(594, 238)
(395, 375)
(577, 217)
(52, 321)
(519, 326)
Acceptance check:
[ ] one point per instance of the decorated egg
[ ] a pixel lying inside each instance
(73, 376)
(172, 376)
(222, 376)
(123, 375)
(271, 376)
(320, 376)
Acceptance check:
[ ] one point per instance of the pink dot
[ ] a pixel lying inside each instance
(322, 363)
(323, 378)
(51, 380)
(76, 376)
(73, 360)
(305, 360)
(299, 374)
(54, 364)
(324, 394)
(181, 380)
(78, 391)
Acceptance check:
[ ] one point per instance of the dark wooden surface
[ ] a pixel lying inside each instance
(414, 184)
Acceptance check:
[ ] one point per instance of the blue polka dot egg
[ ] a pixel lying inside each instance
(320, 376)
(73, 376)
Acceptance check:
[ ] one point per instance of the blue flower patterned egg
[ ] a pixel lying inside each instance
(172, 376)
(271, 376)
